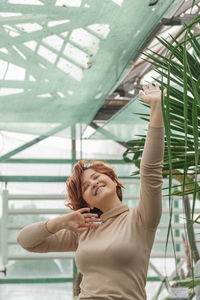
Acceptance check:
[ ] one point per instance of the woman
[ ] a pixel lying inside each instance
(112, 249)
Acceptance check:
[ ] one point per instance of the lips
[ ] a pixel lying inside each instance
(102, 185)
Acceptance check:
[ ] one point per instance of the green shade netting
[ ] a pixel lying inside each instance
(59, 60)
(125, 125)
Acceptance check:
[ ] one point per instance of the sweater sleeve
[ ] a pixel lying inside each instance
(36, 238)
(149, 208)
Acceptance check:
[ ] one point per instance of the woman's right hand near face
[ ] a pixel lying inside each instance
(81, 219)
(77, 221)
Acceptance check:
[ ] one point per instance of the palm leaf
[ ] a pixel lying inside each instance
(179, 71)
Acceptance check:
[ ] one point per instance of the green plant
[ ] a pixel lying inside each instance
(179, 72)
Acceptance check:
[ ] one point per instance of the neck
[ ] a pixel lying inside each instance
(110, 204)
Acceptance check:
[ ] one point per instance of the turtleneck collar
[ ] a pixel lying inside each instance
(113, 212)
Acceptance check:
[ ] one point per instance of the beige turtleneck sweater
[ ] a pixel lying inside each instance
(114, 257)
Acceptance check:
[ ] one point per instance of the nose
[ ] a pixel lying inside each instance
(95, 184)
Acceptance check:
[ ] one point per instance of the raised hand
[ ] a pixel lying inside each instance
(151, 94)
(80, 220)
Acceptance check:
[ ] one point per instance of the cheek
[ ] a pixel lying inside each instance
(87, 196)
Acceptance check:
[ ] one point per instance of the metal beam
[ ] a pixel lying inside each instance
(36, 280)
(56, 161)
(146, 43)
(33, 142)
(8, 178)
(186, 5)
(109, 108)
(179, 21)
(51, 280)
(107, 133)
(175, 20)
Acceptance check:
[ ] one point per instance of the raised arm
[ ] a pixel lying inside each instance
(58, 234)
(150, 204)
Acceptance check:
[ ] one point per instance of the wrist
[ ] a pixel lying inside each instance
(55, 224)
(156, 116)
(156, 106)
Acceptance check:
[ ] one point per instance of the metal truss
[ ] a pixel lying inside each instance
(129, 87)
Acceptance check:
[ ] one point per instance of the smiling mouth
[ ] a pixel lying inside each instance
(96, 191)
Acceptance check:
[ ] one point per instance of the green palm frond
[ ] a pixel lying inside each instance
(179, 72)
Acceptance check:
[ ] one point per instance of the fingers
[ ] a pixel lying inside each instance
(85, 213)
(150, 87)
(82, 210)
(92, 220)
(85, 227)
(157, 86)
(145, 89)
(141, 94)
(89, 215)
(82, 220)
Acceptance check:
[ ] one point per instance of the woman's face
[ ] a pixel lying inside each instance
(97, 189)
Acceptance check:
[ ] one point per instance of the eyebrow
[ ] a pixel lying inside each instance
(86, 181)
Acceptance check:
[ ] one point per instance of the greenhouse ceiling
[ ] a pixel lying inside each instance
(62, 61)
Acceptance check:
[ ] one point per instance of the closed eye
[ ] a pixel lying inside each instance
(85, 186)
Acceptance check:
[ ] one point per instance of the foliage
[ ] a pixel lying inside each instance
(179, 71)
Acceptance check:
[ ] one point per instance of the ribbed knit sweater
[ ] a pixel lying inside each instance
(114, 257)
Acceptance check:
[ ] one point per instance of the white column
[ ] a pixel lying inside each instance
(4, 229)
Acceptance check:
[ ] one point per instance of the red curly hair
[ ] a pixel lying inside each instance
(73, 183)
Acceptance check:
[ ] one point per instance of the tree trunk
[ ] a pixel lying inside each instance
(190, 229)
